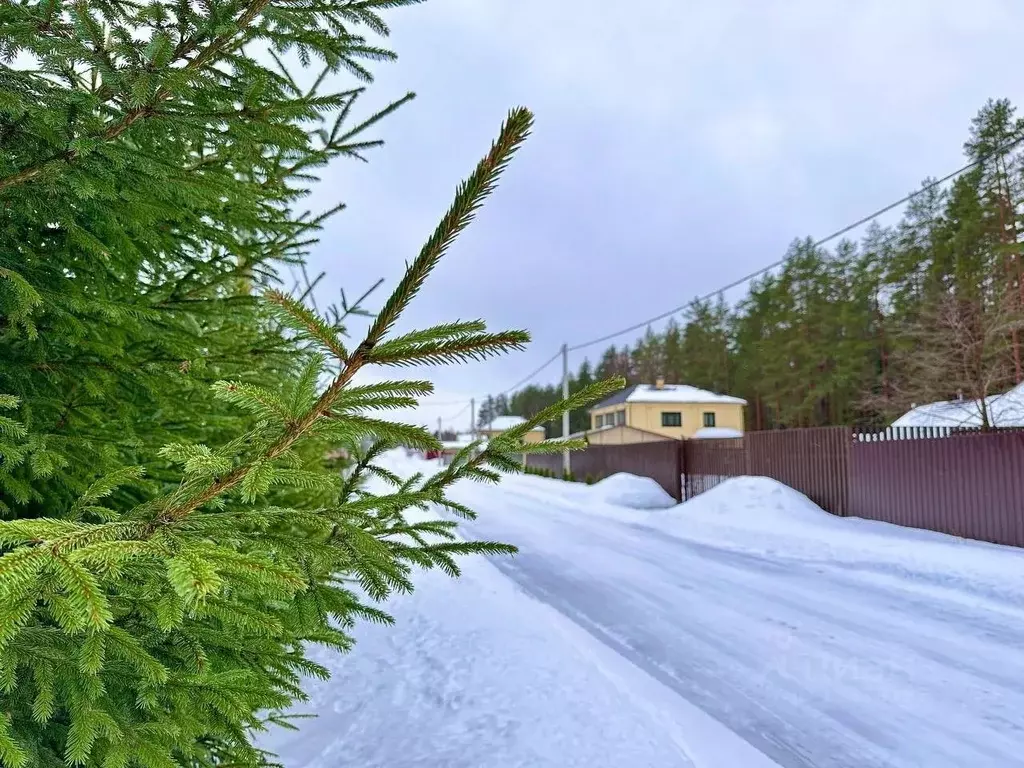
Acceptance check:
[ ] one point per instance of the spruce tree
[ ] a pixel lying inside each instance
(175, 533)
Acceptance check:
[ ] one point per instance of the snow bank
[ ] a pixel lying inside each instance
(625, 490)
(756, 515)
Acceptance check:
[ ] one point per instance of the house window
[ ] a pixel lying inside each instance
(671, 419)
(709, 419)
(620, 418)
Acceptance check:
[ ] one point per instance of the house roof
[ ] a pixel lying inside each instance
(716, 433)
(462, 439)
(1004, 410)
(669, 393)
(501, 423)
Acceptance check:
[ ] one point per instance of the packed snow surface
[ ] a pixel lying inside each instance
(744, 625)
(475, 673)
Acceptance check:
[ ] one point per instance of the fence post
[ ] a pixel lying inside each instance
(566, 461)
(680, 471)
(847, 474)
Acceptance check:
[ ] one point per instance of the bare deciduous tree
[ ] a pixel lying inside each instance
(958, 349)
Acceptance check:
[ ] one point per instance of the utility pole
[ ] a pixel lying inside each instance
(438, 427)
(472, 418)
(565, 415)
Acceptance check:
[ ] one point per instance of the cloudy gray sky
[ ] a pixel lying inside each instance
(678, 145)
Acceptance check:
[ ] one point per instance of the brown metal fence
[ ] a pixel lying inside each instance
(968, 485)
(814, 461)
(659, 461)
(706, 463)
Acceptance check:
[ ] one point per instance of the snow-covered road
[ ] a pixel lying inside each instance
(823, 642)
(744, 629)
(477, 674)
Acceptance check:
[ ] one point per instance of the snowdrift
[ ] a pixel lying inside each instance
(757, 515)
(625, 490)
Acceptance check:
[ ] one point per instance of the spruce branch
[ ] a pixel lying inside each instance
(580, 399)
(205, 55)
(468, 198)
(462, 348)
(296, 315)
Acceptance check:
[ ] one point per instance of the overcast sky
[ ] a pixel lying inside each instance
(678, 145)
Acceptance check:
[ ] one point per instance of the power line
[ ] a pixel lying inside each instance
(775, 264)
(441, 404)
(461, 411)
(527, 378)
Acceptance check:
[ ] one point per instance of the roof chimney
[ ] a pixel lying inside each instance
(659, 382)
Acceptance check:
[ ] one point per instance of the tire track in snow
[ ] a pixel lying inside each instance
(890, 694)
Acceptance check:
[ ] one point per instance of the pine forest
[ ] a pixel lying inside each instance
(926, 309)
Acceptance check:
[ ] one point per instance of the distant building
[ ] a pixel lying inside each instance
(449, 448)
(1004, 410)
(661, 411)
(505, 423)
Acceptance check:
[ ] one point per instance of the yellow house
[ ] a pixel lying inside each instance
(503, 423)
(672, 411)
(618, 435)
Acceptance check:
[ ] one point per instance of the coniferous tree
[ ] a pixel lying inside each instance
(579, 420)
(606, 366)
(175, 533)
(487, 412)
(648, 357)
(674, 370)
(828, 338)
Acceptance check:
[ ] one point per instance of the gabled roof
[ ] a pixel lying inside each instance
(669, 393)
(1004, 410)
(619, 397)
(501, 423)
(462, 439)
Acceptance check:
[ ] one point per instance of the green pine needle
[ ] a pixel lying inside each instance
(468, 198)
